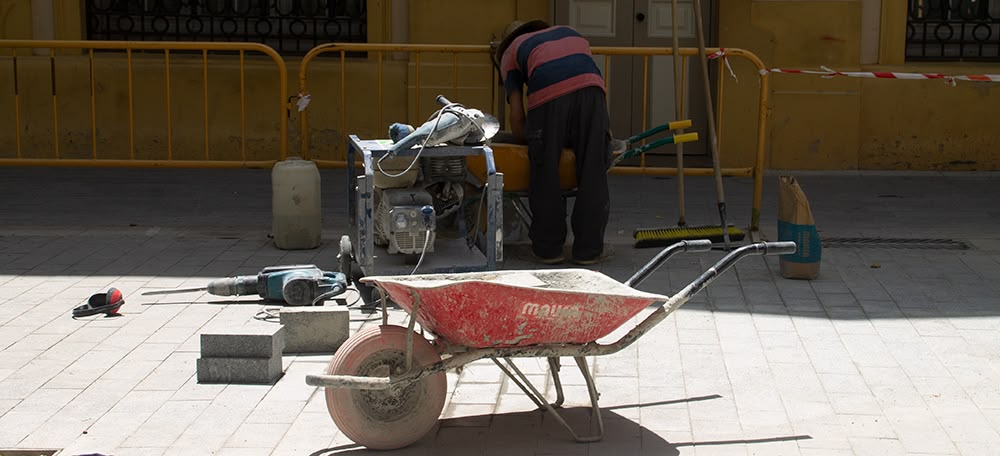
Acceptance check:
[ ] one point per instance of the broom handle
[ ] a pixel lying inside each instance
(713, 141)
(679, 114)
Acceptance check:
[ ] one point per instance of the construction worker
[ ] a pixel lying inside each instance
(565, 101)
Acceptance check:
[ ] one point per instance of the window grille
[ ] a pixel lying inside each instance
(288, 26)
(953, 30)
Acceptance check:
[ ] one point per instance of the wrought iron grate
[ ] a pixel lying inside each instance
(953, 30)
(289, 26)
(895, 243)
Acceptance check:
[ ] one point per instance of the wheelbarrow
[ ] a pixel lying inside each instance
(386, 385)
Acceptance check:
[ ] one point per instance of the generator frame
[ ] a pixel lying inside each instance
(450, 255)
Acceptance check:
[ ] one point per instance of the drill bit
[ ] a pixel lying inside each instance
(174, 291)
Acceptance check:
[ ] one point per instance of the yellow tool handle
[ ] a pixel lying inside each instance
(679, 124)
(686, 137)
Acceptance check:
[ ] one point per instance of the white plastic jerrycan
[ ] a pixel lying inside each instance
(295, 205)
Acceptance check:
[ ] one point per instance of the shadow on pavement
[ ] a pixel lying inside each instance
(536, 432)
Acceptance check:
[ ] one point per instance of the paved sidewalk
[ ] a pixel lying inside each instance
(888, 352)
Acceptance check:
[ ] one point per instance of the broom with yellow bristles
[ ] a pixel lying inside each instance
(658, 237)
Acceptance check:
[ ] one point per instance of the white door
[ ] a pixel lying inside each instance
(644, 23)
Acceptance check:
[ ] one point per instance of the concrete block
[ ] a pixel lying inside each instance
(315, 329)
(253, 371)
(262, 341)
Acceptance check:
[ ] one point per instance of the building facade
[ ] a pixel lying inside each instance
(814, 122)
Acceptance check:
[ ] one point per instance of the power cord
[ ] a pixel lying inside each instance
(427, 237)
(272, 314)
(437, 121)
(423, 145)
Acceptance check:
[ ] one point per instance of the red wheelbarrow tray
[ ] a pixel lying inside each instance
(517, 308)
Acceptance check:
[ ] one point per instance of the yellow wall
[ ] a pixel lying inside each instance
(15, 19)
(848, 123)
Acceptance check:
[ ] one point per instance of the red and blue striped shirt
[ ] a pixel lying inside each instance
(551, 62)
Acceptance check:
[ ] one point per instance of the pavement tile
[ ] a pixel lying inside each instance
(309, 433)
(16, 425)
(140, 451)
(855, 403)
(822, 436)
(166, 424)
(830, 357)
(257, 435)
(467, 415)
(843, 383)
(274, 411)
(919, 431)
(882, 446)
(669, 416)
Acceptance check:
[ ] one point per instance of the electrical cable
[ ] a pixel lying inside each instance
(423, 145)
(329, 294)
(427, 237)
(479, 212)
(449, 108)
(272, 314)
(268, 314)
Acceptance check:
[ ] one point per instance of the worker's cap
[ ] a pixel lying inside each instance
(514, 30)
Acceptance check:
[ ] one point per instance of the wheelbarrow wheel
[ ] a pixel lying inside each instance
(392, 418)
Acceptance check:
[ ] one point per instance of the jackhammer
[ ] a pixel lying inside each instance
(294, 285)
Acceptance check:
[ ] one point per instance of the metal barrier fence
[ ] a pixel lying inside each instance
(378, 53)
(377, 56)
(86, 50)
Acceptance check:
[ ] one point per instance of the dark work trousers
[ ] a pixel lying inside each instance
(578, 120)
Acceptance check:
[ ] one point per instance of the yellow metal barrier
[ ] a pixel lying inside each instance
(379, 51)
(85, 49)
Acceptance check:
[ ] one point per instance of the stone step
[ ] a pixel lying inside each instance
(257, 341)
(253, 371)
(315, 329)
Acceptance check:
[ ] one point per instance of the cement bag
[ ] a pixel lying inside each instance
(795, 223)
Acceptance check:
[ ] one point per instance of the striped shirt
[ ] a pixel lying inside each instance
(551, 62)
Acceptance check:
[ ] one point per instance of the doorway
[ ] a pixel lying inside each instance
(645, 23)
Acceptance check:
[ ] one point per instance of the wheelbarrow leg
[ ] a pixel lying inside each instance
(513, 378)
(529, 389)
(554, 370)
(594, 395)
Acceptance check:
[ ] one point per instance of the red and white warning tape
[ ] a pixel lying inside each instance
(721, 54)
(950, 79)
(828, 73)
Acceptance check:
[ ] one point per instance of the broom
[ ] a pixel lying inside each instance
(658, 237)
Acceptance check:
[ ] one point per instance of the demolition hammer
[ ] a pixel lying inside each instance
(295, 285)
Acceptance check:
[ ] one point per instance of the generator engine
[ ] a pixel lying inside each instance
(411, 197)
(405, 220)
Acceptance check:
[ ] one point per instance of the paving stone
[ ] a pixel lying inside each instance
(244, 342)
(270, 411)
(263, 371)
(319, 329)
(257, 435)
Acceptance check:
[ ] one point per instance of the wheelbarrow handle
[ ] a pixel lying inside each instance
(760, 248)
(700, 245)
